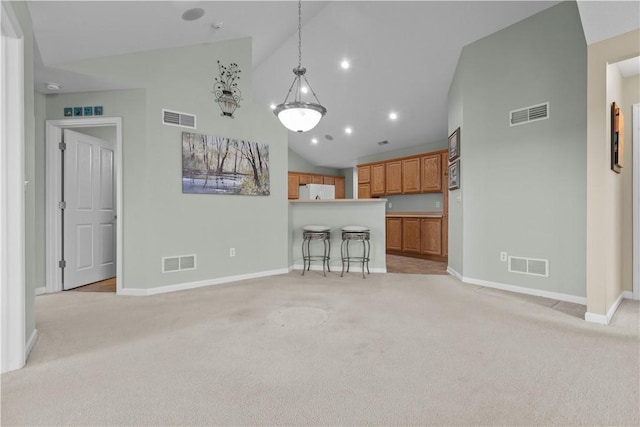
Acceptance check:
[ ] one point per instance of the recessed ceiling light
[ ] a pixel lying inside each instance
(393, 116)
(53, 86)
(304, 89)
(193, 14)
(314, 140)
(345, 64)
(273, 106)
(348, 130)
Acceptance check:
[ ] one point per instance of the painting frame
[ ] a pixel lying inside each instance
(453, 177)
(221, 165)
(617, 138)
(454, 145)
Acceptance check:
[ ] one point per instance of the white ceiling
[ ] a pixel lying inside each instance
(403, 55)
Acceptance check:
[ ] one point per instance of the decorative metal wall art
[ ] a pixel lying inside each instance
(225, 88)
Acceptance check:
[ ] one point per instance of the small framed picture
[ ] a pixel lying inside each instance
(77, 111)
(68, 111)
(454, 145)
(97, 110)
(88, 111)
(454, 175)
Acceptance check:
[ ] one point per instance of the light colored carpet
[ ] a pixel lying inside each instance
(392, 349)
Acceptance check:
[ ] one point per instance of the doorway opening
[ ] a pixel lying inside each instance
(64, 236)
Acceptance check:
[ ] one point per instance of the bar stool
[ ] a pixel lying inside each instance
(316, 232)
(357, 233)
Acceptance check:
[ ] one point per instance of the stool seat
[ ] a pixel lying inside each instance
(316, 228)
(354, 229)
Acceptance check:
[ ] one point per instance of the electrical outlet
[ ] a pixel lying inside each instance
(503, 256)
(437, 204)
(232, 251)
(390, 205)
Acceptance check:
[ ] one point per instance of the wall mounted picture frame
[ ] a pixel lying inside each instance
(454, 145)
(77, 111)
(97, 110)
(223, 165)
(88, 111)
(617, 138)
(454, 175)
(68, 112)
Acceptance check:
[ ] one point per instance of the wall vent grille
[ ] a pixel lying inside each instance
(171, 264)
(176, 118)
(531, 266)
(529, 114)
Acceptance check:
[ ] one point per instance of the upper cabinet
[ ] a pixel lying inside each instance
(296, 179)
(421, 173)
(394, 177)
(431, 174)
(378, 182)
(411, 175)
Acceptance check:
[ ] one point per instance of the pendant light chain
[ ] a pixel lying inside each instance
(299, 33)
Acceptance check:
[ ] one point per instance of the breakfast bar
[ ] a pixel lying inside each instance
(335, 214)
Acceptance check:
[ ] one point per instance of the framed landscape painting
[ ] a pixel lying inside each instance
(454, 145)
(221, 165)
(454, 175)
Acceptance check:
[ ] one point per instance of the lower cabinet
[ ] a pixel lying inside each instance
(415, 235)
(394, 234)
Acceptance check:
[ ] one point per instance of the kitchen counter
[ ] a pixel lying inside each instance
(415, 214)
(336, 214)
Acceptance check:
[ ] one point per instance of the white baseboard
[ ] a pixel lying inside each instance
(518, 289)
(605, 320)
(454, 273)
(199, 284)
(338, 267)
(32, 341)
(41, 290)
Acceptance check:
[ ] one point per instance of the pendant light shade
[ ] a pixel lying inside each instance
(296, 115)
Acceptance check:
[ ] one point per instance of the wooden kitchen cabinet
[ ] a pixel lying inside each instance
(378, 179)
(364, 191)
(394, 177)
(431, 238)
(411, 235)
(364, 174)
(394, 234)
(339, 183)
(317, 179)
(431, 173)
(304, 179)
(329, 180)
(293, 185)
(411, 176)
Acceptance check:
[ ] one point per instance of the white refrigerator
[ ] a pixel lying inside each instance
(317, 191)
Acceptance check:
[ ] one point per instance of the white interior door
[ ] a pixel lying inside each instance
(89, 226)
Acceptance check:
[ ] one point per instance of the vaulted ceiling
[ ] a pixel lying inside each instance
(402, 54)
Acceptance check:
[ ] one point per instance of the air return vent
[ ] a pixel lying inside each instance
(531, 266)
(529, 114)
(176, 118)
(172, 264)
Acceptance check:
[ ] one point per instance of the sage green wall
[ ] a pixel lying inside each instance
(298, 164)
(524, 187)
(24, 19)
(158, 219)
(40, 190)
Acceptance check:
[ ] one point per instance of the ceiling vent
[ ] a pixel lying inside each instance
(176, 118)
(531, 266)
(529, 114)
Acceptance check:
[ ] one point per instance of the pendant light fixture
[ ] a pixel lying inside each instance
(296, 115)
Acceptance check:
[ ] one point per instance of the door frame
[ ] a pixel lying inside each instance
(54, 130)
(13, 347)
(635, 129)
